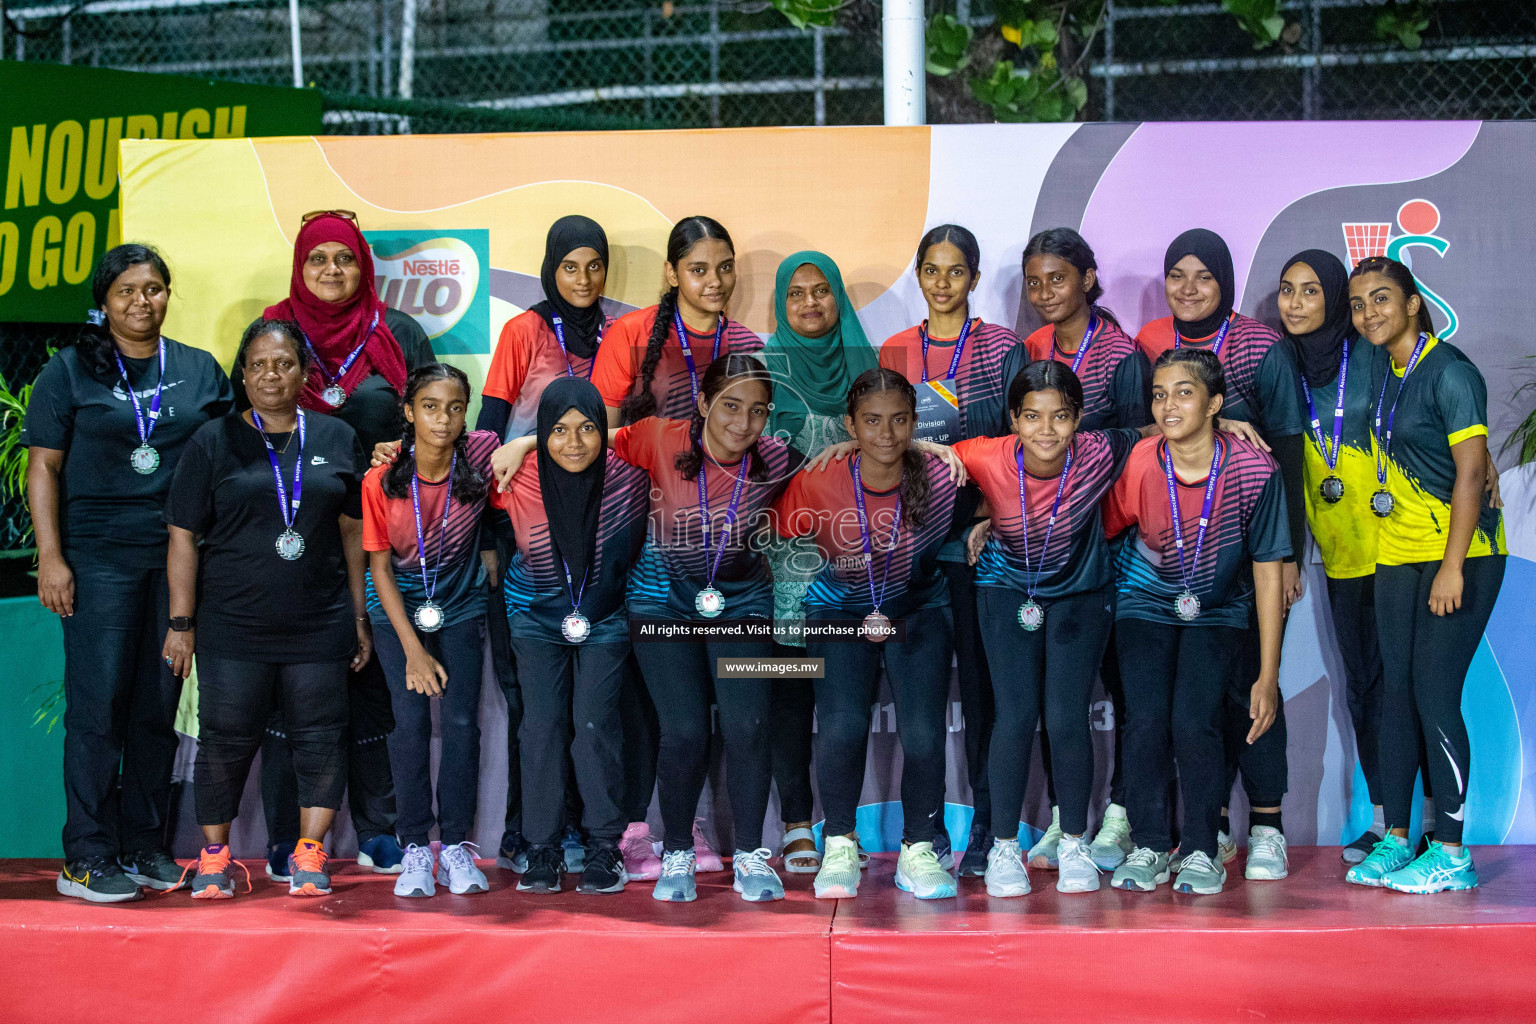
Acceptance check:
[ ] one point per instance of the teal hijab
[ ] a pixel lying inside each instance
(814, 374)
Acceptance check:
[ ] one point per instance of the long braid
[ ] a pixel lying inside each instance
(468, 485)
(397, 478)
(640, 404)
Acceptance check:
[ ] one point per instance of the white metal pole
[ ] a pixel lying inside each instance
(298, 48)
(407, 49)
(905, 53)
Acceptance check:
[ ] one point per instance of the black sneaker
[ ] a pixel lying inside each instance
(1423, 847)
(97, 880)
(1361, 848)
(277, 861)
(513, 855)
(545, 866)
(974, 863)
(604, 870)
(941, 847)
(153, 869)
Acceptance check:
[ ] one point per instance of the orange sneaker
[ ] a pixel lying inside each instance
(307, 871)
(215, 877)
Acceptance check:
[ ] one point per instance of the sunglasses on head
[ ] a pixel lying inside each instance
(344, 214)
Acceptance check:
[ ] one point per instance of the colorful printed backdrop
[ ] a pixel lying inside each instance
(1447, 197)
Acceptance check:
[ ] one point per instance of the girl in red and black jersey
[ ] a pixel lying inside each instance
(1045, 600)
(878, 521)
(579, 515)
(650, 360)
(427, 603)
(1204, 514)
(960, 366)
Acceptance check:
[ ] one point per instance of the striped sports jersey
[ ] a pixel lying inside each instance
(619, 359)
(528, 357)
(1247, 525)
(1115, 373)
(1260, 368)
(535, 588)
(1078, 559)
(992, 355)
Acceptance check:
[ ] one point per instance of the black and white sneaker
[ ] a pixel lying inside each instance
(604, 870)
(153, 869)
(974, 863)
(546, 864)
(97, 880)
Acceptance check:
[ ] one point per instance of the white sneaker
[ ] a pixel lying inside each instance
(1226, 847)
(1078, 871)
(1266, 855)
(919, 872)
(838, 878)
(1143, 871)
(1200, 876)
(1113, 841)
(416, 874)
(457, 870)
(1006, 874)
(755, 880)
(1043, 853)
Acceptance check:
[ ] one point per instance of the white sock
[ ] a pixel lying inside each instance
(1429, 814)
(1379, 822)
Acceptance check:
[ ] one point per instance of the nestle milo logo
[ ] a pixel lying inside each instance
(439, 278)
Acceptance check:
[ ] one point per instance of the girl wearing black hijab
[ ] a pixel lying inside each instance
(1262, 397)
(579, 514)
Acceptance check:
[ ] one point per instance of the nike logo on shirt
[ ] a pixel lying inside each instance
(317, 461)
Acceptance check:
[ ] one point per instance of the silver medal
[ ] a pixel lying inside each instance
(575, 627)
(1332, 490)
(1031, 615)
(1188, 606)
(1382, 503)
(334, 397)
(429, 617)
(144, 460)
(709, 602)
(289, 545)
(876, 627)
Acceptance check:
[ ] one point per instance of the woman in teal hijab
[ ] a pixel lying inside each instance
(817, 351)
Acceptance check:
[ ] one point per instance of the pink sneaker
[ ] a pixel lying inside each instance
(640, 860)
(705, 859)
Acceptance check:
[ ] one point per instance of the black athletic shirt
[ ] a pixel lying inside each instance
(107, 511)
(252, 604)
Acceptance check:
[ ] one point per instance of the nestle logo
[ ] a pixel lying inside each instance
(431, 268)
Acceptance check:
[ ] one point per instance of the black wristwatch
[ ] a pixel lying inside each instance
(181, 623)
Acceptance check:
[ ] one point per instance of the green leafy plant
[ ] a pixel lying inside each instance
(1523, 438)
(50, 703)
(13, 454)
(1261, 19)
(949, 45)
(806, 13)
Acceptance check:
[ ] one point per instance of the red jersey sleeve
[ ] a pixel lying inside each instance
(509, 363)
(617, 364)
(1121, 503)
(1156, 337)
(1041, 343)
(793, 514)
(644, 443)
(375, 520)
(975, 451)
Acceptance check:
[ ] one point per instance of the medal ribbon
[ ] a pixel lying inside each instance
(1205, 510)
(954, 360)
(346, 364)
(576, 595)
(429, 583)
(682, 338)
(1050, 525)
(560, 337)
(1384, 448)
(890, 544)
(730, 515)
(1082, 346)
(1331, 456)
(289, 507)
(144, 424)
(1221, 335)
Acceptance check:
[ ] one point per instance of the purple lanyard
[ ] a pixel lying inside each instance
(869, 553)
(289, 507)
(430, 583)
(576, 595)
(1384, 448)
(1050, 524)
(954, 360)
(1330, 455)
(1082, 346)
(1221, 335)
(682, 338)
(346, 364)
(557, 324)
(1205, 510)
(145, 424)
(730, 514)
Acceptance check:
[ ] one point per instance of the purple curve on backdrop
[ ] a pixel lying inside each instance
(1234, 178)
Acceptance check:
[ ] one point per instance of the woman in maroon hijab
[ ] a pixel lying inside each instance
(364, 350)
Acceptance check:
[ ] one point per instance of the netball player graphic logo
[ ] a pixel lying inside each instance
(1418, 219)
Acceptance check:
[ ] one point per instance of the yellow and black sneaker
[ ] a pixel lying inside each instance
(98, 880)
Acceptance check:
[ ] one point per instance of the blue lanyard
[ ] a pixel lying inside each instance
(1384, 447)
(576, 595)
(145, 424)
(558, 325)
(730, 514)
(346, 364)
(954, 360)
(1205, 510)
(289, 507)
(682, 339)
(1050, 525)
(1221, 335)
(430, 582)
(1082, 346)
(1330, 455)
(890, 544)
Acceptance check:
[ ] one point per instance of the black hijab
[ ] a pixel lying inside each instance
(1320, 349)
(572, 501)
(580, 326)
(1208, 248)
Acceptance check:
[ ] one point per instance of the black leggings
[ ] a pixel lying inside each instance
(235, 700)
(1174, 680)
(679, 678)
(1353, 603)
(1426, 658)
(1049, 671)
(976, 703)
(1264, 765)
(918, 673)
(1109, 673)
(793, 721)
(642, 738)
(565, 684)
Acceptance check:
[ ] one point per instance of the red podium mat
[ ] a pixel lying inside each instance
(1308, 948)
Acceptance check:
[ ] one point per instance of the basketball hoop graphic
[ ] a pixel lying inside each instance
(1418, 219)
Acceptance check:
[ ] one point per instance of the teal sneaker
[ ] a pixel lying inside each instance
(755, 880)
(838, 878)
(1386, 856)
(1200, 875)
(1436, 870)
(919, 872)
(675, 884)
(1143, 871)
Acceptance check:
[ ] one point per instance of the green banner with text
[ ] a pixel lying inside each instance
(59, 133)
